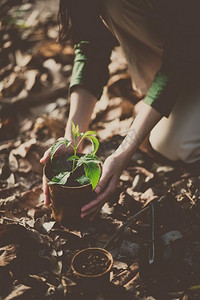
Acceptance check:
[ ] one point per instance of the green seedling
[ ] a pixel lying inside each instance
(90, 162)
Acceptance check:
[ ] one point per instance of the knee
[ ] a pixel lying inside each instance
(175, 147)
(168, 147)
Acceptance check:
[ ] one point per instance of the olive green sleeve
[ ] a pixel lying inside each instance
(164, 91)
(90, 68)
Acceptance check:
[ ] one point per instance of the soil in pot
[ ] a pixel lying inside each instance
(92, 268)
(92, 263)
(67, 200)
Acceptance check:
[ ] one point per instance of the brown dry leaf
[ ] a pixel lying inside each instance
(52, 32)
(9, 202)
(48, 225)
(148, 195)
(118, 62)
(24, 166)
(9, 253)
(138, 183)
(120, 265)
(24, 148)
(120, 85)
(30, 199)
(126, 275)
(13, 85)
(8, 144)
(47, 125)
(38, 237)
(22, 59)
(19, 291)
(32, 20)
(113, 110)
(12, 190)
(118, 108)
(35, 213)
(21, 234)
(67, 55)
(4, 167)
(49, 49)
(55, 70)
(10, 180)
(130, 286)
(34, 160)
(115, 127)
(138, 170)
(67, 283)
(31, 76)
(25, 125)
(13, 163)
(56, 266)
(100, 106)
(8, 127)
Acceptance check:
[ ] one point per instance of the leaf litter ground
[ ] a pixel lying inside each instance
(35, 252)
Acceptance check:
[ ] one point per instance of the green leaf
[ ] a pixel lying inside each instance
(88, 158)
(73, 157)
(83, 180)
(57, 144)
(89, 133)
(95, 143)
(73, 127)
(61, 178)
(75, 130)
(92, 171)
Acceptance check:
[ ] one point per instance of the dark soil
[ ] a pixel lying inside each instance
(60, 164)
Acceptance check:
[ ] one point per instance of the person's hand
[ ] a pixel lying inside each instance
(112, 169)
(61, 150)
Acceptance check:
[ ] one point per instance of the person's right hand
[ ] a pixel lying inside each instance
(46, 156)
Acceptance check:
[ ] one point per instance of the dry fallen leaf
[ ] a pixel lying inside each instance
(31, 76)
(24, 166)
(67, 55)
(120, 85)
(19, 290)
(49, 49)
(22, 59)
(31, 199)
(13, 85)
(24, 148)
(9, 202)
(8, 254)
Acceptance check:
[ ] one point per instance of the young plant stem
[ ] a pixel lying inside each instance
(75, 151)
(74, 160)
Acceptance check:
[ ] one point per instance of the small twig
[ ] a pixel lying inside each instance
(190, 198)
(113, 237)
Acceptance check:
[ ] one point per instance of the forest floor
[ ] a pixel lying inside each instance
(35, 251)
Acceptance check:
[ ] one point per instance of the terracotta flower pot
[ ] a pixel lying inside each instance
(67, 201)
(92, 268)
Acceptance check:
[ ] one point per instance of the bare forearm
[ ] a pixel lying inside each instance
(145, 120)
(82, 104)
(115, 163)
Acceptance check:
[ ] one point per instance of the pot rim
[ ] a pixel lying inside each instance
(107, 253)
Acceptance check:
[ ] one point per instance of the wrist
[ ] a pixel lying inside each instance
(122, 157)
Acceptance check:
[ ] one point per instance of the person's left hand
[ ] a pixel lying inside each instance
(112, 169)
